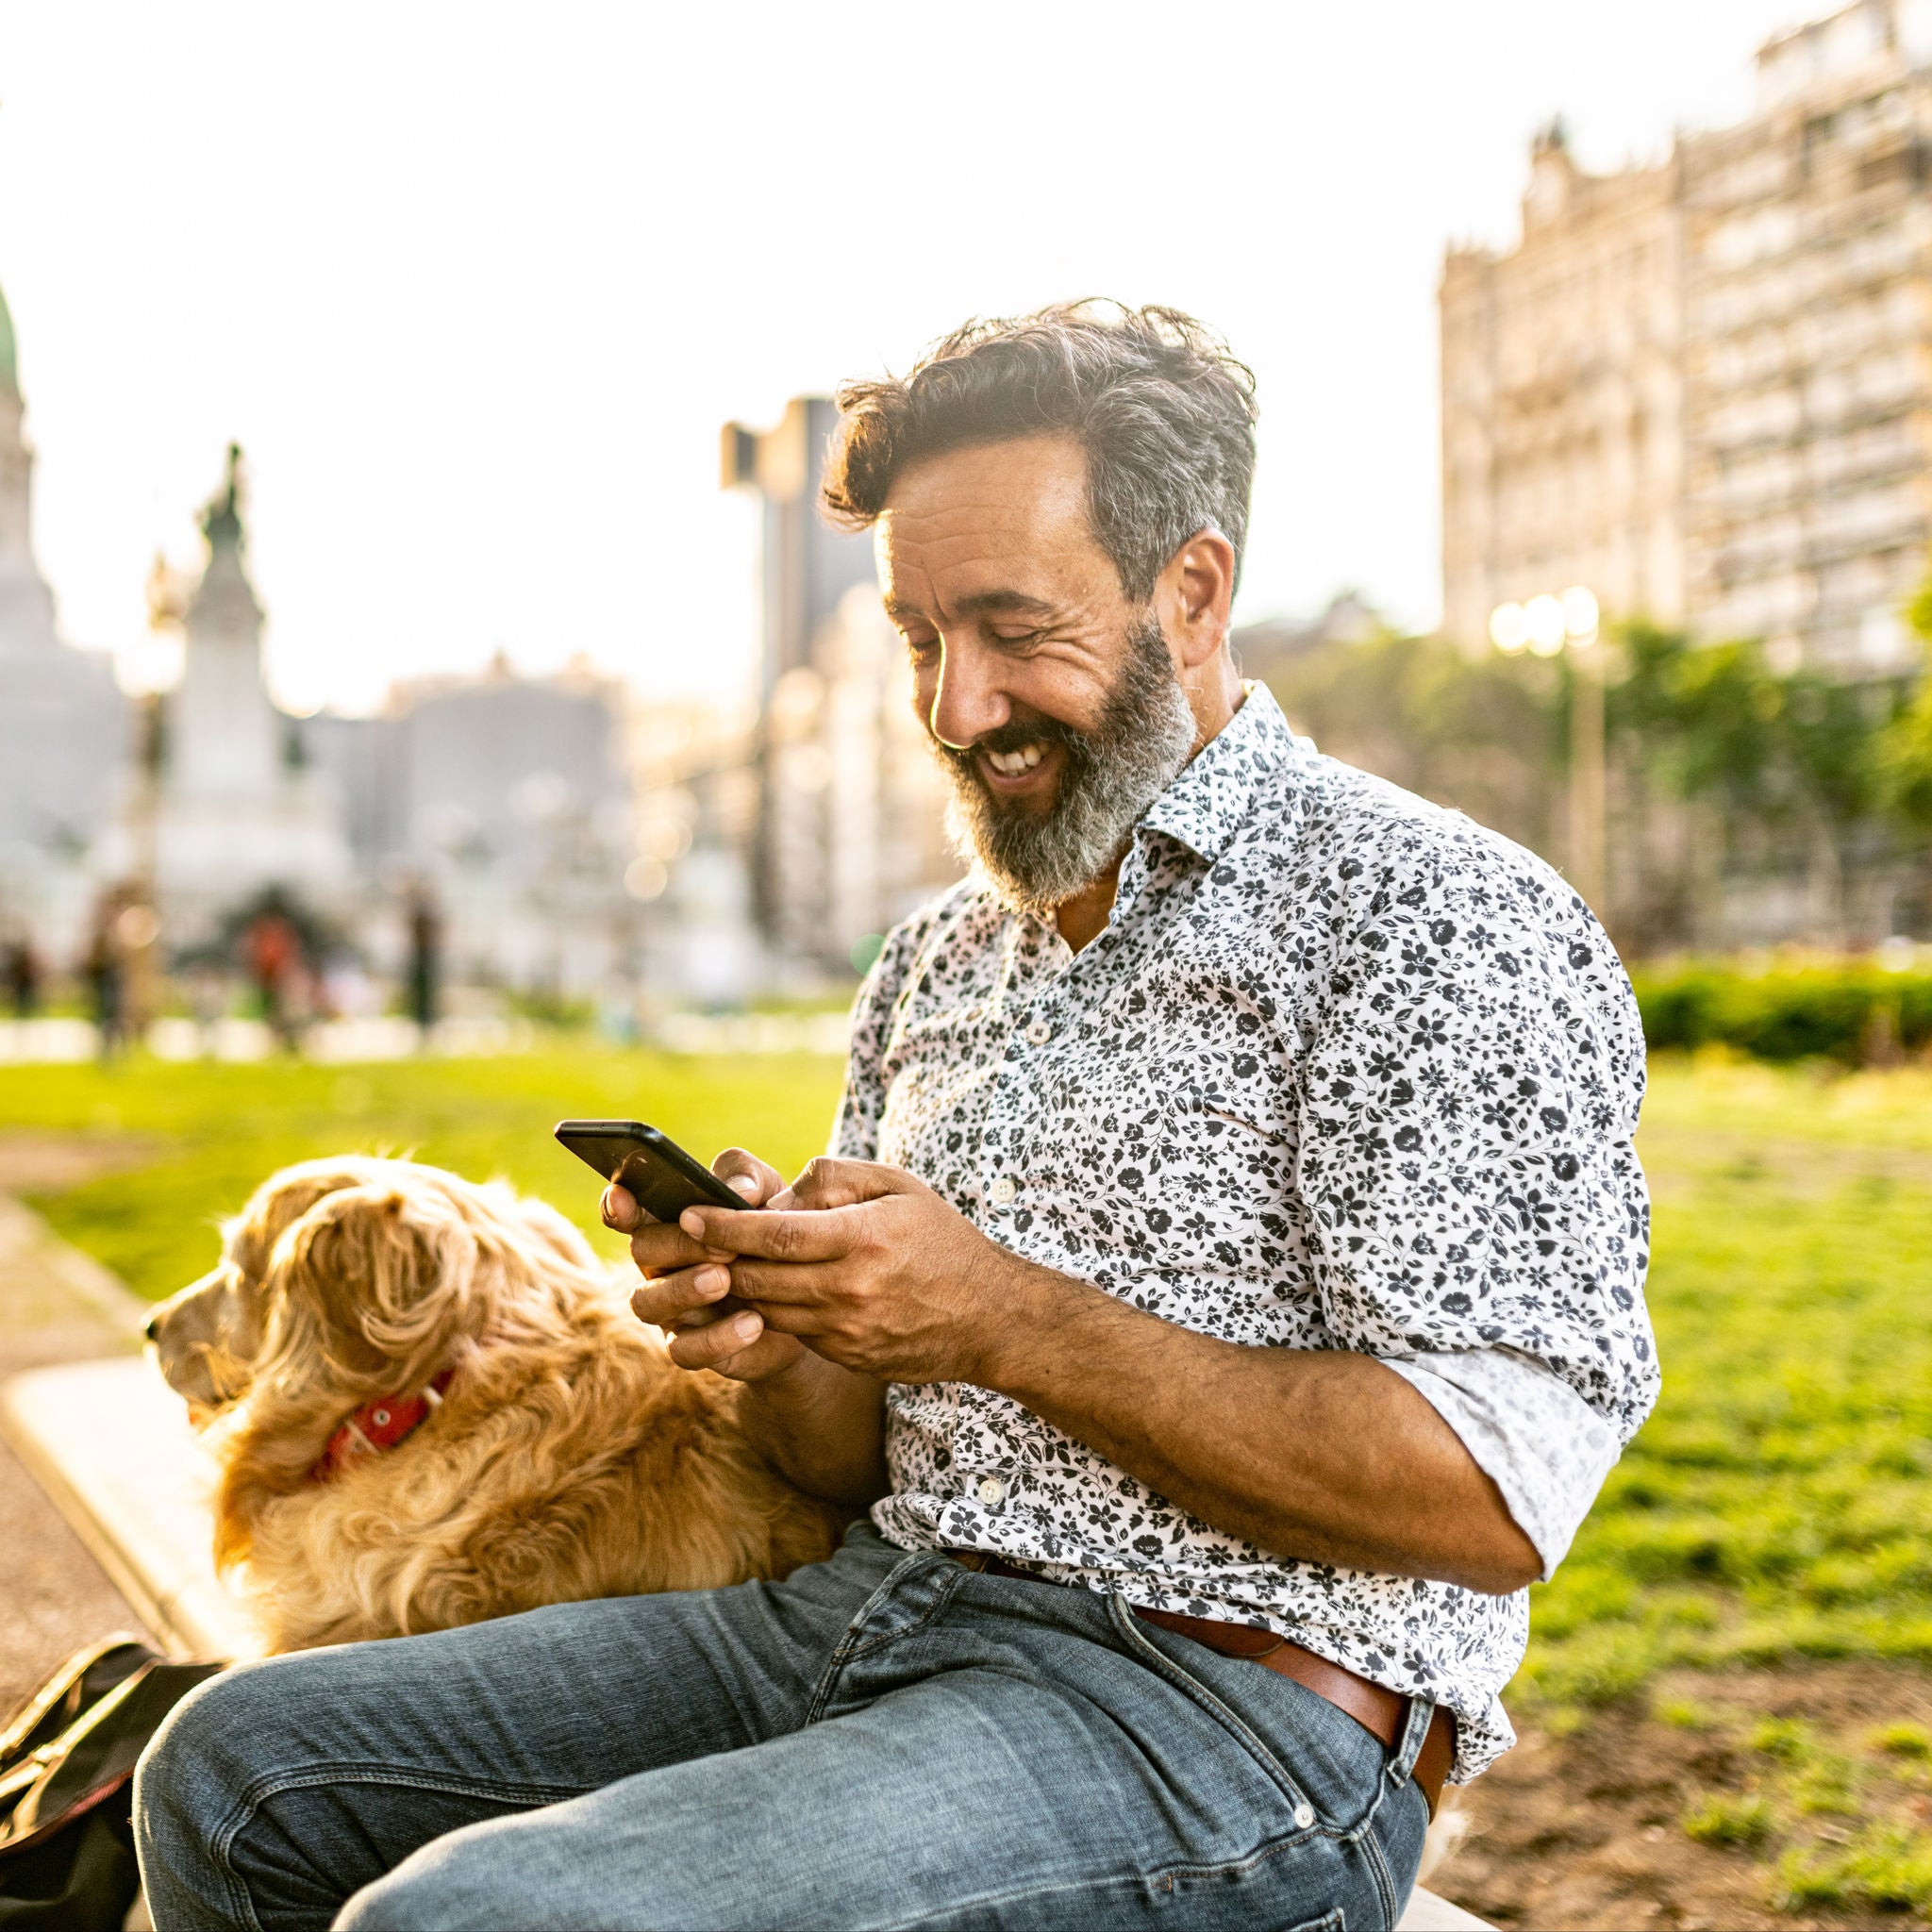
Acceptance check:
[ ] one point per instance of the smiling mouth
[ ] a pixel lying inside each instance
(1014, 764)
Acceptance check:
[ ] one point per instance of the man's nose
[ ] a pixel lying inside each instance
(966, 701)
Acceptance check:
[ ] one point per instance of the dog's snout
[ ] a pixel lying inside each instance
(153, 1328)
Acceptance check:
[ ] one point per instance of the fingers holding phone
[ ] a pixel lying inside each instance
(710, 1327)
(686, 1289)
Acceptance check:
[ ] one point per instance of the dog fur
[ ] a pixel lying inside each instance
(569, 1457)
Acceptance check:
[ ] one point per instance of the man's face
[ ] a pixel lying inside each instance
(1051, 698)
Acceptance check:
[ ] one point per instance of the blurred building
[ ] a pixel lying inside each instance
(698, 814)
(848, 834)
(805, 564)
(64, 725)
(855, 802)
(225, 806)
(1563, 399)
(508, 799)
(1701, 388)
(503, 803)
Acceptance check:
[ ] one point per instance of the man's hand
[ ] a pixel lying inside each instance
(687, 1286)
(874, 1272)
(821, 1427)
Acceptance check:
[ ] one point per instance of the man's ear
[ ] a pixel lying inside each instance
(363, 1278)
(1194, 599)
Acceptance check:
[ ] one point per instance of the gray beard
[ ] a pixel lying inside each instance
(1110, 776)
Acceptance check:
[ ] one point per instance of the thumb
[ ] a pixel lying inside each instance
(828, 1183)
(747, 1176)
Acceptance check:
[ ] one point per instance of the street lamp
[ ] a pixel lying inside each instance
(1546, 625)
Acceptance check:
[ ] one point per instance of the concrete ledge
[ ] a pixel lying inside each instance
(111, 1443)
(1428, 1913)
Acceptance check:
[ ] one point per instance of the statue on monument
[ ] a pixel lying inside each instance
(221, 521)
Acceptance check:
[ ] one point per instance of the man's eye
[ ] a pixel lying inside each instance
(1015, 637)
(919, 646)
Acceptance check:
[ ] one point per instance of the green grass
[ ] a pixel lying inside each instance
(1725, 1820)
(1886, 1868)
(216, 1131)
(1778, 1504)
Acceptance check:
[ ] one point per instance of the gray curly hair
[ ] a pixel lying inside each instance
(1164, 412)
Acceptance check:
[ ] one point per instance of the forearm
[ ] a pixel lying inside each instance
(822, 1427)
(1320, 1454)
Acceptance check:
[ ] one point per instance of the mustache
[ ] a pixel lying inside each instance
(1015, 735)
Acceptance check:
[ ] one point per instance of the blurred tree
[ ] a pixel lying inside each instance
(1904, 777)
(1725, 773)
(1906, 761)
(1480, 734)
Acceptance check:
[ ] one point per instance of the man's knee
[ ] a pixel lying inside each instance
(212, 1747)
(188, 1784)
(190, 1758)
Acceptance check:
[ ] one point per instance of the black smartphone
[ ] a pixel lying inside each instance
(662, 1178)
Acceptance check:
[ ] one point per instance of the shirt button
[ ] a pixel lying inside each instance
(1303, 1816)
(1002, 1192)
(1039, 1033)
(991, 1489)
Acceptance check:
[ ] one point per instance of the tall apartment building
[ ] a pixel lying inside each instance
(1704, 389)
(1563, 399)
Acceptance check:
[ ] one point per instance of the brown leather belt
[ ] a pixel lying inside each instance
(1383, 1713)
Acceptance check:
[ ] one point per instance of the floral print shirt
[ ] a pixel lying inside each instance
(1344, 1071)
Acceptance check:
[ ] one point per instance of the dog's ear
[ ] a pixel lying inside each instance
(371, 1278)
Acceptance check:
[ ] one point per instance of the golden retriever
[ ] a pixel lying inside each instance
(567, 1458)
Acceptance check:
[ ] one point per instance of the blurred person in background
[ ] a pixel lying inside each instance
(425, 969)
(1223, 1295)
(22, 974)
(104, 968)
(272, 955)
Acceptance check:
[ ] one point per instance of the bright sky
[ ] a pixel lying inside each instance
(474, 285)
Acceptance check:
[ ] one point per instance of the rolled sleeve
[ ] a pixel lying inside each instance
(1528, 1430)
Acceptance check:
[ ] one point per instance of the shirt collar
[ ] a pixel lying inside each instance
(1211, 793)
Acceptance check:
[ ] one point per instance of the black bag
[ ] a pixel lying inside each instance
(66, 1777)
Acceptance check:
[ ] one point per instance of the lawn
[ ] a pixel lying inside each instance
(1778, 1502)
(200, 1137)
(1775, 1512)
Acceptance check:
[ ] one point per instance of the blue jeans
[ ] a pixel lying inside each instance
(884, 1739)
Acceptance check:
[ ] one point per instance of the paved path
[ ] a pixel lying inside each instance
(56, 1306)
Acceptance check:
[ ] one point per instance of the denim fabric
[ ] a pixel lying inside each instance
(884, 1739)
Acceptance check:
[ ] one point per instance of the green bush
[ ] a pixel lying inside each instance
(1726, 1821)
(1850, 1012)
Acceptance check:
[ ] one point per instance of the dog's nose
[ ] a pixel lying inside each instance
(152, 1330)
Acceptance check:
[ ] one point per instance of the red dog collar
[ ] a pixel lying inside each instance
(380, 1425)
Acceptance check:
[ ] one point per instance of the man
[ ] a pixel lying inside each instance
(1224, 1291)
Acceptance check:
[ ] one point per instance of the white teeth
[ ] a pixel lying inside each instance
(1010, 764)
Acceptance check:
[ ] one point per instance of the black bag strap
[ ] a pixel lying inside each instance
(94, 1756)
(86, 1675)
